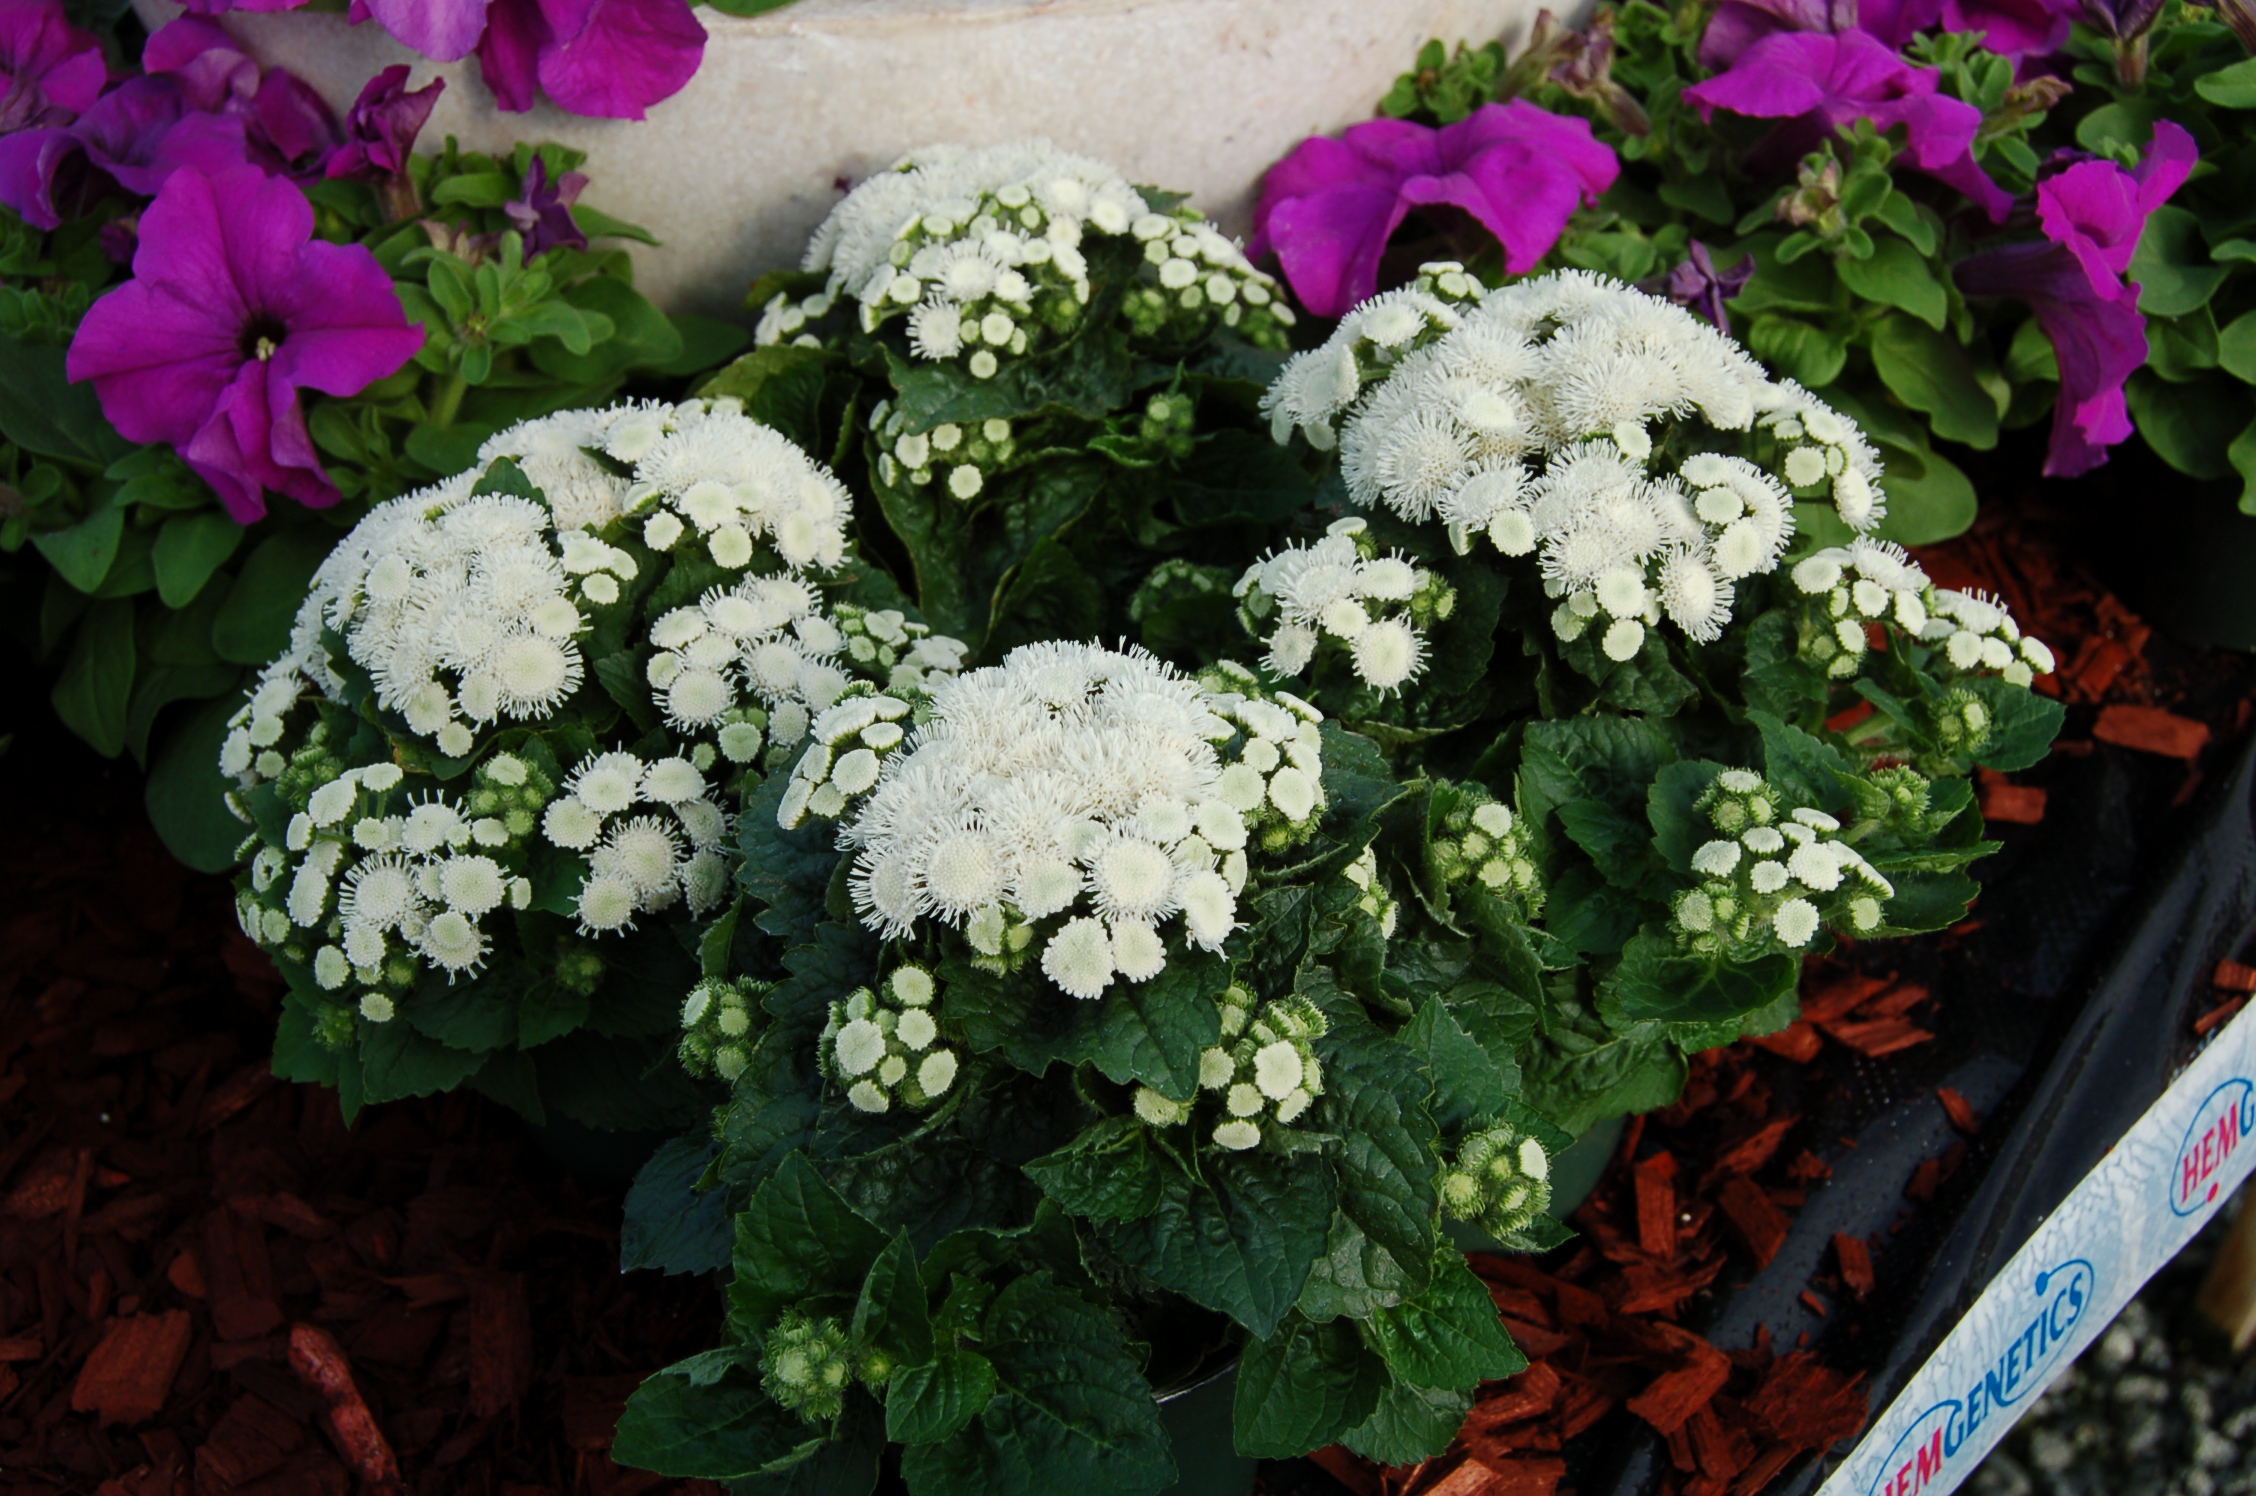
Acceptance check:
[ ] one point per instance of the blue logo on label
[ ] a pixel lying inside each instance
(1928, 1449)
(2219, 1126)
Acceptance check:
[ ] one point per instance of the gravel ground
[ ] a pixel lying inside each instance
(2159, 1406)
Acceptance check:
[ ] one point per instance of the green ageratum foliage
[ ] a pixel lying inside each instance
(148, 599)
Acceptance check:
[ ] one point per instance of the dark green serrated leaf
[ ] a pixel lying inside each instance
(925, 1404)
(668, 1223)
(1109, 1173)
(1302, 1388)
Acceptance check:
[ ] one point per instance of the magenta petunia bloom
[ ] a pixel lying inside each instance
(233, 309)
(1816, 83)
(49, 69)
(286, 125)
(1329, 208)
(381, 128)
(2092, 215)
(544, 214)
(2015, 28)
(136, 135)
(609, 58)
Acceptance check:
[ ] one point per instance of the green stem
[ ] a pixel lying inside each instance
(449, 403)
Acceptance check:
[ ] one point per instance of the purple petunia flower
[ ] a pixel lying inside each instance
(544, 214)
(1817, 83)
(2014, 28)
(380, 139)
(609, 58)
(1699, 285)
(380, 130)
(2092, 215)
(233, 309)
(287, 127)
(1329, 208)
(136, 135)
(49, 69)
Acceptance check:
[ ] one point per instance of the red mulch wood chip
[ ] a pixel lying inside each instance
(1758, 1223)
(129, 1373)
(1656, 1205)
(1798, 1041)
(2219, 1014)
(1855, 1259)
(1960, 1110)
(2150, 729)
(2231, 976)
(2012, 804)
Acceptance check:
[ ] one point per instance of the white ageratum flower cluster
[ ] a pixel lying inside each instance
(467, 610)
(885, 1045)
(958, 458)
(1071, 783)
(372, 882)
(986, 254)
(852, 741)
(650, 832)
(1500, 1181)
(1773, 875)
(1479, 843)
(1340, 594)
(1536, 415)
(1264, 1070)
(1869, 582)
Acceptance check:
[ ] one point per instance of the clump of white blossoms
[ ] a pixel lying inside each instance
(717, 1019)
(954, 459)
(1479, 843)
(1850, 587)
(1265, 1071)
(1774, 874)
(1618, 439)
(455, 630)
(1500, 1182)
(885, 1045)
(1098, 794)
(986, 255)
(1340, 597)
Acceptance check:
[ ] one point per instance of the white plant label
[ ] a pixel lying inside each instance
(2147, 1198)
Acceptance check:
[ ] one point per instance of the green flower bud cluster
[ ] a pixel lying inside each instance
(717, 1019)
(508, 791)
(1274, 774)
(1177, 579)
(885, 1045)
(958, 458)
(893, 650)
(578, 965)
(807, 1364)
(1192, 278)
(1772, 876)
(852, 739)
(1375, 901)
(1480, 843)
(1899, 800)
(1962, 723)
(1500, 1181)
(1265, 1070)
(1167, 424)
(1848, 589)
